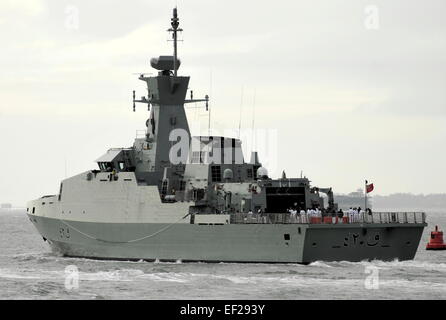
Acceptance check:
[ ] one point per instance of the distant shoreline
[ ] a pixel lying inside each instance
(403, 200)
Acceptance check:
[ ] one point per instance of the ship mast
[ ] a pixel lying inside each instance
(175, 23)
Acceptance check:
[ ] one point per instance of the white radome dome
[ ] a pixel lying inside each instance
(262, 172)
(228, 174)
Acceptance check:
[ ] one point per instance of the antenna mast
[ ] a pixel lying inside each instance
(175, 23)
(209, 109)
(253, 119)
(240, 118)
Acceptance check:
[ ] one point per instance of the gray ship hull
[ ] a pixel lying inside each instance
(266, 243)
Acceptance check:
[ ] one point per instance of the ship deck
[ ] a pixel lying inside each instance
(403, 218)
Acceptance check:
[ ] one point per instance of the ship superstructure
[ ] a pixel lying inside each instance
(172, 196)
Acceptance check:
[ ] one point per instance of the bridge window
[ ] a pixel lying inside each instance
(216, 173)
(106, 166)
(198, 194)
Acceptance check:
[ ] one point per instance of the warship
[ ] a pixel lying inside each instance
(176, 197)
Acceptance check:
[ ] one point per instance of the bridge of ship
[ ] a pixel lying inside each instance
(363, 218)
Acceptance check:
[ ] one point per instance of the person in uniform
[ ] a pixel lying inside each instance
(350, 214)
(361, 214)
(303, 215)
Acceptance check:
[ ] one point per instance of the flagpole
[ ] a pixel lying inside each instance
(365, 196)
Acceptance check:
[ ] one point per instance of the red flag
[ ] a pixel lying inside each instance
(369, 188)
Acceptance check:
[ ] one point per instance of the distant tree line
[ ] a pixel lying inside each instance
(405, 200)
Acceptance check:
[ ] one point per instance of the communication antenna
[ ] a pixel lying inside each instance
(142, 74)
(209, 108)
(253, 119)
(240, 118)
(175, 22)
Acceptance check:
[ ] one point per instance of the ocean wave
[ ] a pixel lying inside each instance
(426, 265)
(13, 274)
(38, 257)
(113, 275)
(167, 277)
(321, 264)
(411, 284)
(303, 281)
(133, 275)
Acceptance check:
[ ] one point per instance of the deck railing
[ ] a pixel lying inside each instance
(287, 218)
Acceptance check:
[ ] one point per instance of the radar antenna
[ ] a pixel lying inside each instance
(175, 23)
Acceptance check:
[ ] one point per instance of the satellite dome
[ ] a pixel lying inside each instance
(262, 173)
(228, 174)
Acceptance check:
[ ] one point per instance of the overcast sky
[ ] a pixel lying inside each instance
(344, 90)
